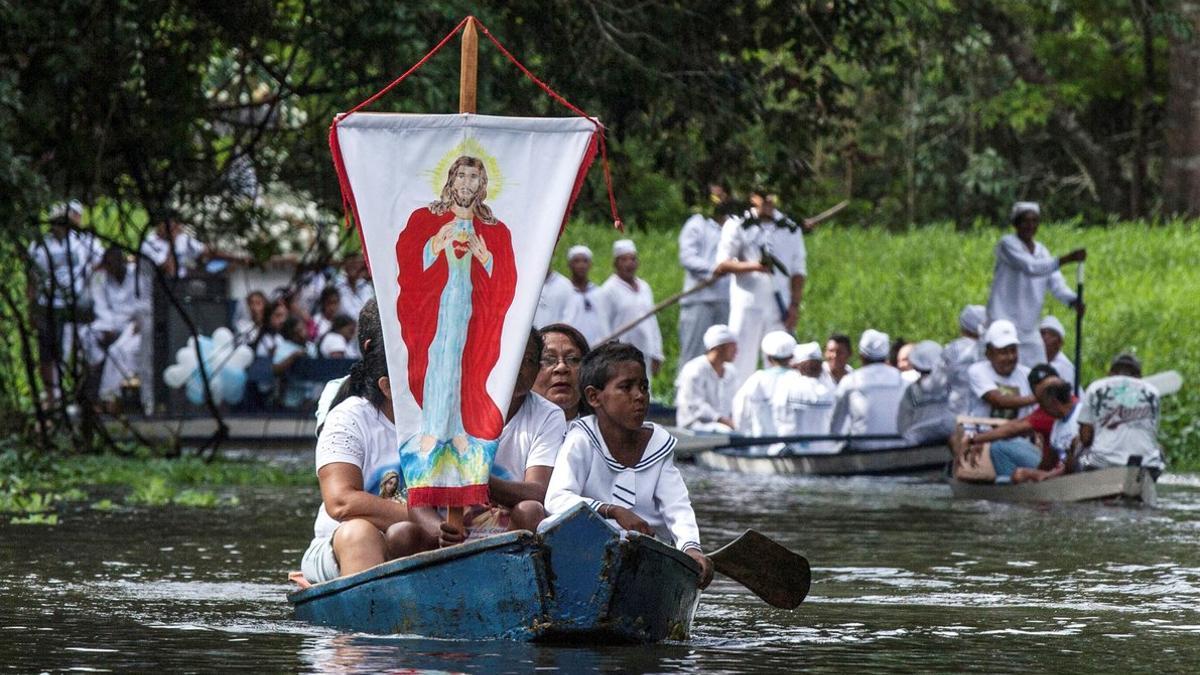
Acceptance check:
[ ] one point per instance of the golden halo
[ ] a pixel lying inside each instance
(471, 148)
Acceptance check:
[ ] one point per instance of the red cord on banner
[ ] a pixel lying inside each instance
(344, 180)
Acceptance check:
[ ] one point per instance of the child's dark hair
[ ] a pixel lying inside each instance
(1058, 391)
(339, 322)
(327, 293)
(596, 369)
(365, 373)
(291, 327)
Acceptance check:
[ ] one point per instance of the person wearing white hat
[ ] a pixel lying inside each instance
(867, 400)
(764, 250)
(698, 256)
(760, 405)
(586, 309)
(807, 401)
(1024, 271)
(704, 393)
(924, 414)
(1000, 384)
(1052, 336)
(628, 297)
(960, 353)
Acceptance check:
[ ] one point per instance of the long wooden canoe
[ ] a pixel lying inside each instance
(1131, 483)
(848, 462)
(580, 580)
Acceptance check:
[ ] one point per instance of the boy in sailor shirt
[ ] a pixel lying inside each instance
(620, 465)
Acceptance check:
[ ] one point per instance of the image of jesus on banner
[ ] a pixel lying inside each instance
(457, 278)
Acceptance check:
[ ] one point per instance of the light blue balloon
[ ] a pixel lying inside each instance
(228, 385)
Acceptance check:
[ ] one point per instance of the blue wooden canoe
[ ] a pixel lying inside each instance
(581, 580)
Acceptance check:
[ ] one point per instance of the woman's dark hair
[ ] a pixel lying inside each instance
(597, 366)
(327, 293)
(365, 373)
(339, 322)
(572, 334)
(539, 342)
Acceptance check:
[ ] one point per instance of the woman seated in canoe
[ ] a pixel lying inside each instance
(621, 466)
(528, 445)
(357, 467)
(558, 380)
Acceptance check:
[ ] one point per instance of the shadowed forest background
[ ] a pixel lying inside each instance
(938, 112)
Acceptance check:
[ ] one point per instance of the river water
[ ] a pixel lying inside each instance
(904, 578)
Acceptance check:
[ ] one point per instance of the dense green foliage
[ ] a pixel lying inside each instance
(1140, 284)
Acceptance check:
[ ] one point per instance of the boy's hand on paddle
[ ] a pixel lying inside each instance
(628, 520)
(451, 535)
(706, 566)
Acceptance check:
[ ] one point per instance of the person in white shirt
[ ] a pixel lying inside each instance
(554, 302)
(704, 396)
(837, 360)
(115, 339)
(1119, 419)
(764, 250)
(809, 401)
(329, 307)
(924, 415)
(1014, 456)
(354, 290)
(1052, 336)
(628, 297)
(621, 466)
(359, 474)
(999, 384)
(587, 311)
(960, 354)
(901, 350)
(334, 343)
(698, 256)
(760, 406)
(1024, 271)
(176, 252)
(868, 399)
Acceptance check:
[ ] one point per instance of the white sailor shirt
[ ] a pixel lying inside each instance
(586, 472)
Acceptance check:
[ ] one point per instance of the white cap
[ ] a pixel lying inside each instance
(58, 211)
(972, 318)
(623, 247)
(75, 206)
(874, 345)
(579, 250)
(778, 344)
(1001, 333)
(1051, 322)
(1021, 208)
(717, 335)
(809, 351)
(925, 355)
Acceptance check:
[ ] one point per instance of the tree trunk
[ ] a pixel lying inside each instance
(1181, 174)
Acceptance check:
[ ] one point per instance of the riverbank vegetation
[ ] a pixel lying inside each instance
(1140, 287)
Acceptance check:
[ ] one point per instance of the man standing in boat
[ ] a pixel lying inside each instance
(1024, 271)
(456, 270)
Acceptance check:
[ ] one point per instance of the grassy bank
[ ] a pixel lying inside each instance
(1141, 286)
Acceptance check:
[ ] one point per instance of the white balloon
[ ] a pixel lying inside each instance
(175, 375)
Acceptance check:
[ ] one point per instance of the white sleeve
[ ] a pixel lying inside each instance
(104, 312)
(691, 248)
(570, 475)
(1011, 252)
(341, 440)
(698, 409)
(671, 500)
(548, 440)
(904, 413)
(741, 416)
(797, 260)
(1087, 415)
(730, 245)
(653, 334)
(1060, 289)
(981, 382)
(841, 410)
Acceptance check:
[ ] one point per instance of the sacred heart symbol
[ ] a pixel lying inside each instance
(460, 248)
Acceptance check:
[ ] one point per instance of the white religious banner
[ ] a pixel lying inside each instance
(459, 215)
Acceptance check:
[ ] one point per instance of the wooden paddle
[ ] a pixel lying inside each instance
(770, 571)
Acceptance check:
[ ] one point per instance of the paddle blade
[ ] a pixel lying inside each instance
(1166, 383)
(770, 571)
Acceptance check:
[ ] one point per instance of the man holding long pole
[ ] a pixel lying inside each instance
(1024, 271)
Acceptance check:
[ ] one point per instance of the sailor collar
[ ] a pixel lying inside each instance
(659, 447)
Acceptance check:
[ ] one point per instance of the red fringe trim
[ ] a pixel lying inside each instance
(467, 495)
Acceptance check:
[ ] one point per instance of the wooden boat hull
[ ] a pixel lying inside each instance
(581, 580)
(1127, 482)
(910, 460)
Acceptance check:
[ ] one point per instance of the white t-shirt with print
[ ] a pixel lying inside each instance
(1123, 413)
(356, 432)
(984, 378)
(531, 438)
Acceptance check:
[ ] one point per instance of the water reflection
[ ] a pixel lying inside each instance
(903, 578)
